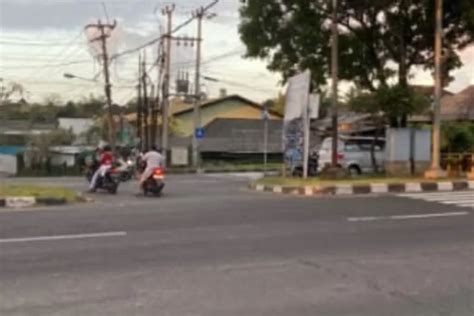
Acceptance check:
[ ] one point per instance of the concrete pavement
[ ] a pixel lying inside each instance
(210, 247)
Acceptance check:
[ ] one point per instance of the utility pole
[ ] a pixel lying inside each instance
(435, 170)
(105, 60)
(334, 73)
(156, 101)
(146, 105)
(199, 14)
(139, 104)
(168, 12)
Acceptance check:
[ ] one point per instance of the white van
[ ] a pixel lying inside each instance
(353, 154)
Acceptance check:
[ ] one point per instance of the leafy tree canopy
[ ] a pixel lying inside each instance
(379, 42)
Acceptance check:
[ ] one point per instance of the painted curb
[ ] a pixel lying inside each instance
(365, 189)
(29, 201)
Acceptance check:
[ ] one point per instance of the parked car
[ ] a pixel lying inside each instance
(354, 154)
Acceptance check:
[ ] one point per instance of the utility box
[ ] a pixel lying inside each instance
(407, 151)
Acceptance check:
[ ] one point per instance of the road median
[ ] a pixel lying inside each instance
(358, 186)
(20, 196)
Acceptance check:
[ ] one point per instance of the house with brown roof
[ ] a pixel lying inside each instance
(454, 107)
(458, 107)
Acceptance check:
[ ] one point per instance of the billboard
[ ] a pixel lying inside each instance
(296, 119)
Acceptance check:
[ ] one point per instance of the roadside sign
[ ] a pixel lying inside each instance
(199, 132)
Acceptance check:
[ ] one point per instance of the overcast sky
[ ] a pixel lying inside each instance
(40, 40)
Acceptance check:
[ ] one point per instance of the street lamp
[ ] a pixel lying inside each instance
(68, 75)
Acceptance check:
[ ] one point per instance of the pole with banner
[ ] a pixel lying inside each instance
(295, 124)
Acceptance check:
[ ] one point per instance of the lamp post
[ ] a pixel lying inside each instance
(68, 75)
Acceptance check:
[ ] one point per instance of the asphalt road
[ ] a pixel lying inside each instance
(210, 247)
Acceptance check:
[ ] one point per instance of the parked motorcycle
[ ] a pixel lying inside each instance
(155, 183)
(313, 166)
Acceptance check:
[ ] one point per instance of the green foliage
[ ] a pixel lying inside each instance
(379, 40)
(52, 108)
(389, 103)
(457, 137)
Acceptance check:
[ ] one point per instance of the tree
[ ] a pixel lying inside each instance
(40, 145)
(457, 137)
(12, 88)
(380, 41)
(384, 104)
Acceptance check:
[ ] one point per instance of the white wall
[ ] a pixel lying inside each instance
(77, 125)
(8, 164)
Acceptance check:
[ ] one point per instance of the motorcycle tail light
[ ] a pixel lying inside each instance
(158, 173)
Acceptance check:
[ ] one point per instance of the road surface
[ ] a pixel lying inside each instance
(211, 247)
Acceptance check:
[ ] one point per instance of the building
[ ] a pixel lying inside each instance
(459, 107)
(241, 137)
(78, 126)
(17, 132)
(454, 107)
(227, 107)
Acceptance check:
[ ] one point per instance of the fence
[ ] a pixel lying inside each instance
(457, 163)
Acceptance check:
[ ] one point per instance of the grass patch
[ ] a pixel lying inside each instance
(358, 180)
(38, 191)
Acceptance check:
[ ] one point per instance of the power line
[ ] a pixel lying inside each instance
(46, 65)
(157, 39)
(4, 42)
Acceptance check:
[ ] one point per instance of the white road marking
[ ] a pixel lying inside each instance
(62, 237)
(404, 217)
(458, 202)
(416, 216)
(461, 198)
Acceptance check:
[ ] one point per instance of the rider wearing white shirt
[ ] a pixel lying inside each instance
(153, 160)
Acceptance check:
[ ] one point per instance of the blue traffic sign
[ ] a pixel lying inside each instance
(199, 133)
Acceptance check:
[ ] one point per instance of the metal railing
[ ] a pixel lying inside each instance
(457, 163)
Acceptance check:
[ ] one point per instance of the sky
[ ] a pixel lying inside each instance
(40, 40)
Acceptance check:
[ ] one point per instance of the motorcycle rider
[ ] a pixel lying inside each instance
(106, 159)
(153, 159)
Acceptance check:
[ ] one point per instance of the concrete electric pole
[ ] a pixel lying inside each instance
(435, 170)
(146, 105)
(139, 105)
(199, 14)
(105, 31)
(334, 73)
(168, 12)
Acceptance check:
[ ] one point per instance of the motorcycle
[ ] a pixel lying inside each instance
(313, 166)
(126, 170)
(155, 182)
(109, 182)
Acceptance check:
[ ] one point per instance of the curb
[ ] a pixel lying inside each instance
(211, 171)
(365, 189)
(28, 201)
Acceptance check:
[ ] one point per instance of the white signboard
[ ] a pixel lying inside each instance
(297, 95)
(179, 156)
(296, 125)
(314, 103)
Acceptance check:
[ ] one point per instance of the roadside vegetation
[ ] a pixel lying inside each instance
(16, 190)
